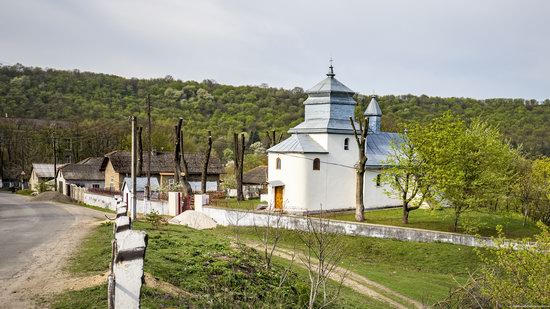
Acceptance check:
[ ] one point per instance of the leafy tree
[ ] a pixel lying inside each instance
(407, 173)
(468, 164)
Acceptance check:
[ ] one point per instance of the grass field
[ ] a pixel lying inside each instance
(422, 271)
(476, 222)
(204, 263)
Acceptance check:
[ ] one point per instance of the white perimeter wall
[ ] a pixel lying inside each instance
(105, 201)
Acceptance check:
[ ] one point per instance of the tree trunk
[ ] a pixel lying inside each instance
(359, 205)
(406, 213)
(177, 154)
(185, 178)
(239, 160)
(205, 166)
(361, 140)
(139, 165)
(455, 224)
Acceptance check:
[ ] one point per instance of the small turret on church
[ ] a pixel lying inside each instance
(374, 113)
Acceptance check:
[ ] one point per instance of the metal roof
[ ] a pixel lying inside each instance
(141, 182)
(298, 143)
(45, 170)
(373, 109)
(342, 126)
(379, 147)
(330, 85)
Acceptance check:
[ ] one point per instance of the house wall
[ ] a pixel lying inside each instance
(33, 181)
(113, 180)
(212, 182)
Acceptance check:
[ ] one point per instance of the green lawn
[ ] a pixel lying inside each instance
(234, 204)
(204, 263)
(476, 222)
(422, 271)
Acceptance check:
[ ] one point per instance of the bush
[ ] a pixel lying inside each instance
(155, 219)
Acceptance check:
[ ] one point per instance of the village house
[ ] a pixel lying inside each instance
(141, 183)
(118, 166)
(86, 173)
(42, 173)
(314, 169)
(255, 182)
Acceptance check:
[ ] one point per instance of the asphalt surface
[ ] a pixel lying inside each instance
(26, 226)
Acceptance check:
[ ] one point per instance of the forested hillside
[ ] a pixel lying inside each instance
(97, 107)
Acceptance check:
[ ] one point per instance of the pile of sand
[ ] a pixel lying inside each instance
(52, 196)
(194, 219)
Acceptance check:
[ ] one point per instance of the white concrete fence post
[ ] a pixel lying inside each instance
(126, 268)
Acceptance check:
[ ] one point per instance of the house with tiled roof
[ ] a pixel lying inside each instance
(86, 173)
(314, 169)
(118, 166)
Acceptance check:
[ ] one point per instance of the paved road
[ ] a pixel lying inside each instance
(33, 242)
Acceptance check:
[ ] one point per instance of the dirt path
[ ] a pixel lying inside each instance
(41, 274)
(354, 281)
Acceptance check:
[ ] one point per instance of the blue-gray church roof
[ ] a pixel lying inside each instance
(379, 147)
(298, 143)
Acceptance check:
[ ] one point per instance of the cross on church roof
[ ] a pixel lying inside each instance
(330, 69)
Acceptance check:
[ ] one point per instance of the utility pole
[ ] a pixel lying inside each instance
(133, 170)
(149, 148)
(54, 164)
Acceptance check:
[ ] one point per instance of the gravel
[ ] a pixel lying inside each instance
(194, 219)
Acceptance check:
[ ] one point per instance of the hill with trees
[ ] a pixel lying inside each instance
(88, 113)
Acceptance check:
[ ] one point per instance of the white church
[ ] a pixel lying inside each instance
(314, 168)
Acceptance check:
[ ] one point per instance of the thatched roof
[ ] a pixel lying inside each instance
(163, 162)
(256, 176)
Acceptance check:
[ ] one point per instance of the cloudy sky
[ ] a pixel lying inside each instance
(481, 49)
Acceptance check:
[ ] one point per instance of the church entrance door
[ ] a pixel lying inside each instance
(279, 197)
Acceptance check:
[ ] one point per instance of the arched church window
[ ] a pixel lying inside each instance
(316, 164)
(278, 163)
(346, 144)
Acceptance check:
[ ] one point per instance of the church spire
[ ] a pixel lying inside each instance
(374, 113)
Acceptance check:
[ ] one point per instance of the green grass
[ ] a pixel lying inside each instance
(476, 222)
(203, 263)
(234, 204)
(96, 298)
(95, 207)
(422, 271)
(26, 192)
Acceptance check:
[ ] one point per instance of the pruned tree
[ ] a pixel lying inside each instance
(270, 234)
(271, 136)
(139, 165)
(179, 161)
(177, 152)
(239, 163)
(204, 175)
(360, 168)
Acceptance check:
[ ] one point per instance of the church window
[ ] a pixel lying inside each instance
(278, 163)
(316, 164)
(378, 180)
(346, 144)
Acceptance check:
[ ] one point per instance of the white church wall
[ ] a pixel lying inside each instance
(293, 175)
(374, 196)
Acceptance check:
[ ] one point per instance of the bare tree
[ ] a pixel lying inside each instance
(205, 166)
(270, 234)
(185, 168)
(239, 161)
(324, 253)
(360, 168)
